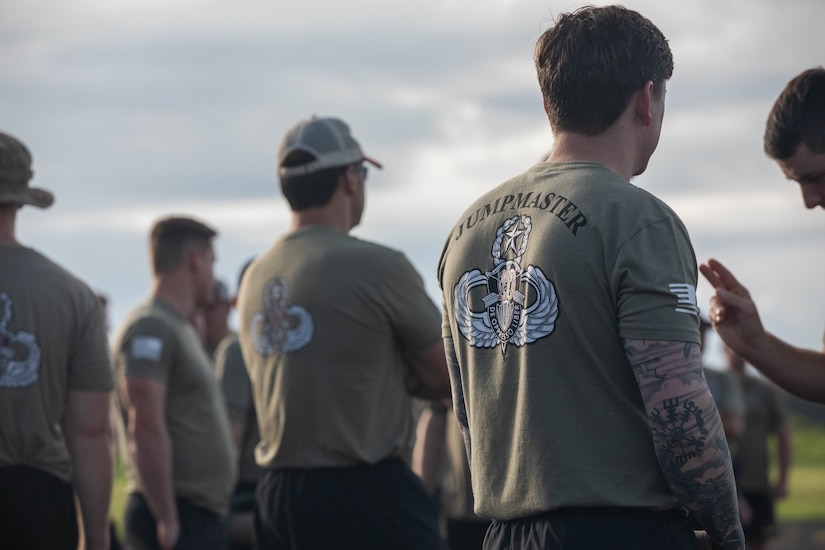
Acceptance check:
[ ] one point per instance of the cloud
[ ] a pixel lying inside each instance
(136, 109)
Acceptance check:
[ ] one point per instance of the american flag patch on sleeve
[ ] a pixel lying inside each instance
(685, 298)
(146, 347)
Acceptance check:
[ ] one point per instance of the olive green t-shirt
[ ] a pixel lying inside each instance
(542, 279)
(457, 491)
(52, 341)
(237, 392)
(157, 342)
(764, 414)
(325, 322)
(726, 389)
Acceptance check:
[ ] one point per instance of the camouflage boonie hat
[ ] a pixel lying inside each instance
(15, 173)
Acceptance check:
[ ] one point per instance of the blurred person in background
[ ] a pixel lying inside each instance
(440, 459)
(237, 391)
(182, 466)
(765, 417)
(216, 318)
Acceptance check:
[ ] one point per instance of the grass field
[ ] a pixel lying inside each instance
(806, 492)
(118, 498)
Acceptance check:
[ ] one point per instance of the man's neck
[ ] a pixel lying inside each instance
(328, 215)
(174, 291)
(604, 149)
(8, 216)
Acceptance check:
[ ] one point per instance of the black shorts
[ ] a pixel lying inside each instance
(589, 528)
(361, 507)
(466, 534)
(243, 498)
(762, 526)
(200, 529)
(36, 510)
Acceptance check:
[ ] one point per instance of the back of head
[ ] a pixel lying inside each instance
(220, 292)
(311, 158)
(216, 315)
(172, 237)
(243, 270)
(798, 116)
(15, 173)
(591, 61)
(308, 190)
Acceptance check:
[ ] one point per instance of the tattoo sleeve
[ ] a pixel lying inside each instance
(687, 435)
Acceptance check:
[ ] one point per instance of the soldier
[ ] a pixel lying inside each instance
(55, 386)
(182, 465)
(795, 139)
(571, 323)
(337, 333)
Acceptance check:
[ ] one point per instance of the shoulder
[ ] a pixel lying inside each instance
(49, 272)
(148, 319)
(370, 248)
(378, 257)
(56, 284)
(148, 335)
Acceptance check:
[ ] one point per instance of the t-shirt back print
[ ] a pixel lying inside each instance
(505, 314)
(280, 328)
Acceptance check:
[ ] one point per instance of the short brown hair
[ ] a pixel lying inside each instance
(171, 238)
(591, 61)
(311, 190)
(798, 116)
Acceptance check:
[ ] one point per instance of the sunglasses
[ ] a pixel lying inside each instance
(361, 169)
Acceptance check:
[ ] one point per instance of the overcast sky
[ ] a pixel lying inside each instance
(136, 109)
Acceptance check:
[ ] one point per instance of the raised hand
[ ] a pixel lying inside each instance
(732, 311)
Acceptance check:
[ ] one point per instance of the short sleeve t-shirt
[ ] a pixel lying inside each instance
(157, 342)
(237, 391)
(727, 392)
(765, 414)
(325, 322)
(542, 279)
(52, 341)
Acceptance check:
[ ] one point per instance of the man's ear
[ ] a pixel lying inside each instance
(192, 259)
(642, 101)
(350, 180)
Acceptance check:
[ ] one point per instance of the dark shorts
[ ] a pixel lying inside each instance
(762, 526)
(37, 510)
(243, 498)
(361, 507)
(466, 534)
(589, 528)
(200, 529)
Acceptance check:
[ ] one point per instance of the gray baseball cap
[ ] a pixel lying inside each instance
(328, 139)
(15, 173)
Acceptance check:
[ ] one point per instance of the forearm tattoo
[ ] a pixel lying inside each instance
(687, 434)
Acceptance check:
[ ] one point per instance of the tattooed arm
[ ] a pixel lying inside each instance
(687, 435)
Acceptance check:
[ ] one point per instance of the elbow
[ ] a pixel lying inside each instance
(440, 389)
(429, 389)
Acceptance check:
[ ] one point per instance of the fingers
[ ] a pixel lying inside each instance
(723, 275)
(733, 300)
(710, 275)
(725, 301)
(717, 311)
